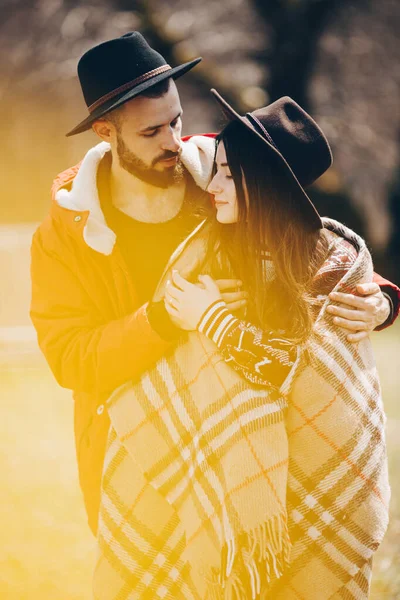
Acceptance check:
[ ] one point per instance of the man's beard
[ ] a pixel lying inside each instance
(135, 166)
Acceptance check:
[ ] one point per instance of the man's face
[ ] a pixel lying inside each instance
(147, 142)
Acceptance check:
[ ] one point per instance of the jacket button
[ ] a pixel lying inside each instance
(77, 218)
(100, 409)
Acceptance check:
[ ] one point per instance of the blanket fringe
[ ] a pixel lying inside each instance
(252, 562)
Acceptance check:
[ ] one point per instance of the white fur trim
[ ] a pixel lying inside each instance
(84, 196)
(197, 156)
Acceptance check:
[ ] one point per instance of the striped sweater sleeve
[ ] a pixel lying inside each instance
(262, 357)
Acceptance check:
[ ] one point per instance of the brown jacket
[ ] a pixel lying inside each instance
(91, 329)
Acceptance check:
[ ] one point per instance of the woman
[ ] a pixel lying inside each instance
(203, 436)
(269, 224)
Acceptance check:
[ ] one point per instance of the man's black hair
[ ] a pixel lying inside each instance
(155, 91)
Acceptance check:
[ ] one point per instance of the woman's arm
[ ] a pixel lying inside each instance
(262, 357)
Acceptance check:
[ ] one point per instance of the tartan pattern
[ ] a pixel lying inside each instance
(338, 490)
(184, 427)
(337, 482)
(139, 552)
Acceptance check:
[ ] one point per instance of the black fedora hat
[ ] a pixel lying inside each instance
(118, 70)
(292, 135)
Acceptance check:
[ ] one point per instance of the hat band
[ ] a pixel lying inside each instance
(128, 85)
(261, 129)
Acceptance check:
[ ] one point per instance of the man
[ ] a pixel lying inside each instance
(114, 221)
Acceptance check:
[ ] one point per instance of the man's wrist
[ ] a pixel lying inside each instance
(160, 321)
(390, 315)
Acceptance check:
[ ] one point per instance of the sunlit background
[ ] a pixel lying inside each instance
(339, 59)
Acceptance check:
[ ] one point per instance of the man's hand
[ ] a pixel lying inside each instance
(361, 314)
(232, 296)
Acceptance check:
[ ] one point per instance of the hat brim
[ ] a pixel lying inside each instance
(175, 73)
(313, 217)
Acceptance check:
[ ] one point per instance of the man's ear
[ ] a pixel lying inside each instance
(103, 128)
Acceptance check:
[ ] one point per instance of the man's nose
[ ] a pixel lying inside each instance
(171, 141)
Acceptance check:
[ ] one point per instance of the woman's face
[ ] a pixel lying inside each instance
(222, 187)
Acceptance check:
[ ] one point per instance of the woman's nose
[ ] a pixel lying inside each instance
(213, 187)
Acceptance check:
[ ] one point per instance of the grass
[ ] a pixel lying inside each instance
(386, 580)
(47, 551)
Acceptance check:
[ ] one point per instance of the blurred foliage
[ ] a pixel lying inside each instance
(340, 59)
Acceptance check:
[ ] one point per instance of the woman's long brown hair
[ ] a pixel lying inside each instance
(271, 220)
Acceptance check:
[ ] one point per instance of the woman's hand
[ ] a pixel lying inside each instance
(186, 302)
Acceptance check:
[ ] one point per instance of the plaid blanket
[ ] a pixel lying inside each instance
(194, 487)
(338, 490)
